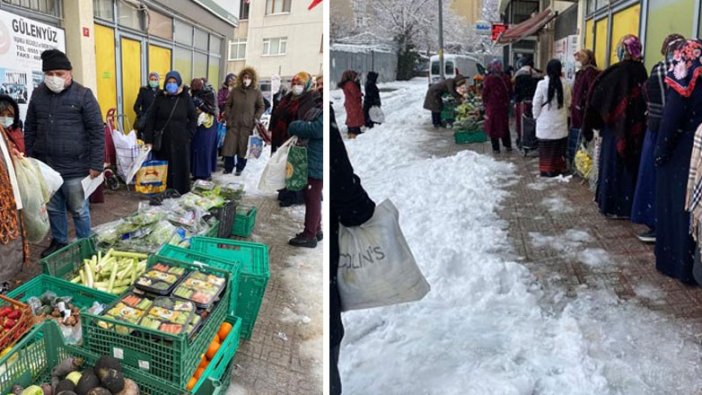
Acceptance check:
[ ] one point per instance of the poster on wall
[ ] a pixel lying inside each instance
(564, 50)
(22, 40)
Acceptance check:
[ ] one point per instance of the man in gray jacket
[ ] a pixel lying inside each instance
(64, 129)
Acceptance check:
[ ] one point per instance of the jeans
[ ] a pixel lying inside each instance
(229, 163)
(313, 208)
(69, 198)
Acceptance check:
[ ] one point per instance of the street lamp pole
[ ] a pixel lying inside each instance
(441, 39)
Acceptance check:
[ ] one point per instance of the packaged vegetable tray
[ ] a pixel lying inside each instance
(203, 289)
(160, 279)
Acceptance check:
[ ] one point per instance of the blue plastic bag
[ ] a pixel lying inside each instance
(221, 132)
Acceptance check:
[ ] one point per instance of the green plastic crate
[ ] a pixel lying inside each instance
(68, 260)
(469, 137)
(214, 230)
(244, 223)
(192, 256)
(225, 355)
(173, 358)
(82, 297)
(33, 357)
(253, 277)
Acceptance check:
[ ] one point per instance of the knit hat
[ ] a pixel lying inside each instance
(173, 74)
(302, 78)
(53, 59)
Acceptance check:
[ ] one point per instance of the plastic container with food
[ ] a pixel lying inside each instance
(160, 279)
(201, 288)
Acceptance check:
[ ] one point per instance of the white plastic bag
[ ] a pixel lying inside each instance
(52, 178)
(136, 165)
(376, 266)
(273, 176)
(34, 198)
(376, 114)
(127, 151)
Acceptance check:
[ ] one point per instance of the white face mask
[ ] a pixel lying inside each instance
(297, 90)
(247, 82)
(55, 83)
(7, 121)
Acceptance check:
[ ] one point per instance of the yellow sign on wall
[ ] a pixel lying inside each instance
(105, 68)
(623, 22)
(131, 79)
(159, 61)
(590, 34)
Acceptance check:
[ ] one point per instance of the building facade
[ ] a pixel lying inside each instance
(472, 11)
(278, 37)
(114, 44)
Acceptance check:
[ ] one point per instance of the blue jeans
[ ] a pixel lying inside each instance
(69, 198)
(229, 163)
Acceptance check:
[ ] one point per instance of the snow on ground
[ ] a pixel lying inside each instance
(249, 177)
(557, 204)
(481, 329)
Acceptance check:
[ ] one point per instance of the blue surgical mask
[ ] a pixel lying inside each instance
(7, 121)
(171, 87)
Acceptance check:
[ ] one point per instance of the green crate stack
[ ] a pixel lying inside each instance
(244, 222)
(81, 296)
(214, 230)
(253, 277)
(219, 365)
(194, 257)
(470, 136)
(30, 362)
(170, 357)
(68, 260)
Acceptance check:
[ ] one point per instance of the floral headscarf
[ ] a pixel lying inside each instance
(685, 69)
(495, 67)
(629, 48)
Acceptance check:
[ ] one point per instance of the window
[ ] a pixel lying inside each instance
(201, 39)
(183, 32)
(48, 7)
(237, 49)
(449, 68)
(160, 25)
(103, 9)
(182, 61)
(213, 71)
(244, 9)
(128, 15)
(215, 45)
(199, 65)
(277, 6)
(275, 46)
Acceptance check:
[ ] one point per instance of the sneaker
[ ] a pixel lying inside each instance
(299, 241)
(648, 237)
(238, 173)
(53, 247)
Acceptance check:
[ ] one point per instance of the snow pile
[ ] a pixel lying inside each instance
(568, 243)
(482, 330)
(595, 257)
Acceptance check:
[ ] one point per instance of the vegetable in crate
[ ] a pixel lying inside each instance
(113, 272)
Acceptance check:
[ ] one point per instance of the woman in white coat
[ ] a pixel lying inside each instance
(550, 106)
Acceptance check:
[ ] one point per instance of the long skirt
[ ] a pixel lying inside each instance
(203, 148)
(552, 156)
(616, 183)
(674, 245)
(643, 211)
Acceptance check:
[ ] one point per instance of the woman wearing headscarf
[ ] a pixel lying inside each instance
(497, 91)
(584, 79)
(292, 107)
(617, 107)
(146, 97)
(14, 247)
(173, 116)
(525, 80)
(674, 150)
(643, 210)
(433, 101)
(551, 102)
(353, 99)
(227, 86)
(372, 97)
(205, 140)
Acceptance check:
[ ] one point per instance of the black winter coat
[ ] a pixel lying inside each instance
(65, 130)
(146, 97)
(372, 96)
(177, 134)
(350, 206)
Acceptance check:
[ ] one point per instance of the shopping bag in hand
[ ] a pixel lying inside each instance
(376, 266)
(35, 195)
(255, 147)
(221, 133)
(296, 168)
(273, 176)
(152, 176)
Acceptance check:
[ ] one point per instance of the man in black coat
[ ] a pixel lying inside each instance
(146, 97)
(64, 129)
(350, 206)
(372, 97)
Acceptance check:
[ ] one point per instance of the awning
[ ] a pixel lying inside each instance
(527, 28)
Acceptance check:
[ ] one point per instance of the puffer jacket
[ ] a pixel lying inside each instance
(313, 130)
(65, 130)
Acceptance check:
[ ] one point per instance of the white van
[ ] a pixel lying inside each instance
(465, 65)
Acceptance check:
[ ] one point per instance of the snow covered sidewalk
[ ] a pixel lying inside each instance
(532, 291)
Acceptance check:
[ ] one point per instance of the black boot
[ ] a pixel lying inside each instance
(300, 241)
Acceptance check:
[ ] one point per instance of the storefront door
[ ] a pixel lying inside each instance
(131, 78)
(105, 67)
(159, 61)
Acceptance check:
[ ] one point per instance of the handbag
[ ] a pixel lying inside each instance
(376, 266)
(158, 134)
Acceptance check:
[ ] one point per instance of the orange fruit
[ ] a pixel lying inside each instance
(224, 330)
(216, 339)
(203, 362)
(212, 350)
(198, 373)
(191, 384)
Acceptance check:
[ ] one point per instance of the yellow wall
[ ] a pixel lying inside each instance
(105, 68)
(131, 79)
(623, 22)
(589, 34)
(601, 42)
(159, 61)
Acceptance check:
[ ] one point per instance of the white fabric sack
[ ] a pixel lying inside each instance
(273, 176)
(52, 178)
(127, 151)
(376, 114)
(376, 266)
(136, 165)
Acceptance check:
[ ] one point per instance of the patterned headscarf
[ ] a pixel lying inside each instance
(686, 67)
(629, 48)
(302, 78)
(495, 67)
